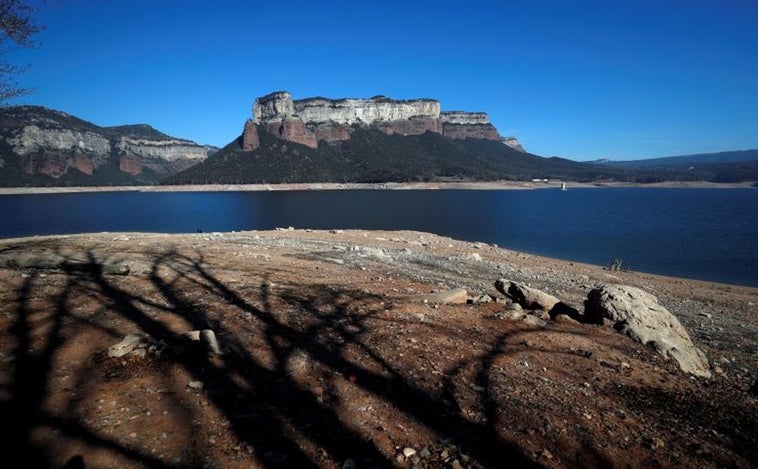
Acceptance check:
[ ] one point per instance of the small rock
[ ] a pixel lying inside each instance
(457, 296)
(348, 464)
(424, 453)
(336, 231)
(408, 452)
(483, 299)
(534, 321)
(195, 384)
(128, 344)
(206, 337)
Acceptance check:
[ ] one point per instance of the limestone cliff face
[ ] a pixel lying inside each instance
(55, 144)
(309, 121)
(32, 138)
(513, 143)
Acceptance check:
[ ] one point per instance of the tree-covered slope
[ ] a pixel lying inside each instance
(372, 156)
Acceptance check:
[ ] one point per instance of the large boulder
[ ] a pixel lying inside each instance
(527, 297)
(638, 314)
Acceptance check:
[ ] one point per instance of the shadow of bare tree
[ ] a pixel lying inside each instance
(303, 367)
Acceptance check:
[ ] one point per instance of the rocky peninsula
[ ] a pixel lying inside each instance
(363, 349)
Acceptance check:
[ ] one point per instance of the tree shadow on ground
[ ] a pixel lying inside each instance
(252, 385)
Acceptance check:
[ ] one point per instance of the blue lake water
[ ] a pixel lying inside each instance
(709, 234)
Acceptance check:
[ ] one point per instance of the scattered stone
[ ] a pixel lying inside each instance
(336, 231)
(116, 269)
(510, 315)
(195, 385)
(408, 452)
(371, 252)
(348, 464)
(638, 315)
(534, 321)
(334, 261)
(482, 299)
(474, 256)
(206, 337)
(457, 296)
(128, 344)
(424, 453)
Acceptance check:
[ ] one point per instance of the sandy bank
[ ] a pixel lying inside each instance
(493, 185)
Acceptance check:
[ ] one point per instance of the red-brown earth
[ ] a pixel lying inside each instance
(331, 358)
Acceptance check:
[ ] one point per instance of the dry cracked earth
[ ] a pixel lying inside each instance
(331, 358)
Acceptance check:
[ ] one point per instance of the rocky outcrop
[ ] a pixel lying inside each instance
(513, 143)
(309, 121)
(638, 314)
(292, 130)
(56, 144)
(279, 105)
(31, 138)
(250, 139)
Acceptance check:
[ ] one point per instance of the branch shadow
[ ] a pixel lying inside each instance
(252, 385)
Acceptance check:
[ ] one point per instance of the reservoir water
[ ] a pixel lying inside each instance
(709, 234)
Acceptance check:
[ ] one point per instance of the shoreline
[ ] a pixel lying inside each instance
(484, 185)
(566, 264)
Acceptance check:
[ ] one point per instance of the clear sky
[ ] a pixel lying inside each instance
(582, 79)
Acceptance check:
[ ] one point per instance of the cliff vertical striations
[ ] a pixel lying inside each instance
(40, 146)
(313, 120)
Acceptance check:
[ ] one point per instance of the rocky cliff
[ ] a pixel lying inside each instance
(49, 147)
(309, 121)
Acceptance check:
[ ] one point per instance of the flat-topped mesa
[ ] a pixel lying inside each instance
(464, 117)
(462, 124)
(311, 120)
(348, 111)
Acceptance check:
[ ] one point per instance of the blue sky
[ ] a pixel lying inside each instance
(582, 79)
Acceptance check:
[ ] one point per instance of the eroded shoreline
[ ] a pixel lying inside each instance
(492, 185)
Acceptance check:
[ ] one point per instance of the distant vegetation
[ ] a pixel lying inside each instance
(728, 166)
(373, 156)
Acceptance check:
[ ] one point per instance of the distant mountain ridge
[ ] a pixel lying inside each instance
(45, 147)
(381, 139)
(689, 160)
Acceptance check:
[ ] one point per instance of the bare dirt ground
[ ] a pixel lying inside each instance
(331, 359)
